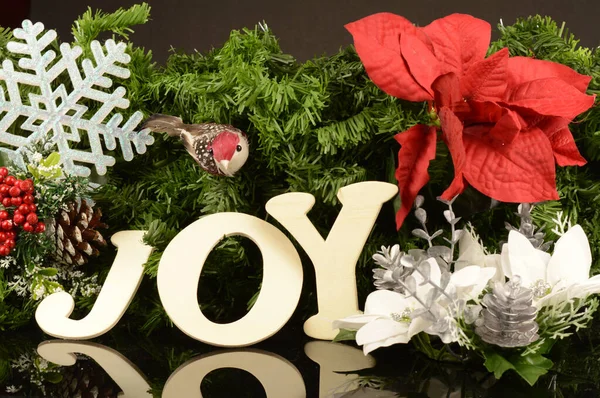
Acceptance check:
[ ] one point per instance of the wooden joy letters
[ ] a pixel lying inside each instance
(181, 264)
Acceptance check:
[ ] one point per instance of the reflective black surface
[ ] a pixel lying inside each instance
(169, 364)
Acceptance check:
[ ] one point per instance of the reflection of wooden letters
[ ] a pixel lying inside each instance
(278, 376)
(333, 360)
(181, 264)
(129, 379)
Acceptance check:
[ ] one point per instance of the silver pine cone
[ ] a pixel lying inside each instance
(509, 317)
(392, 271)
(536, 237)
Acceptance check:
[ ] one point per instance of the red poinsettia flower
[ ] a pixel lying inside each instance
(504, 119)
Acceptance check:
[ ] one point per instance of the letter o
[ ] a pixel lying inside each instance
(181, 265)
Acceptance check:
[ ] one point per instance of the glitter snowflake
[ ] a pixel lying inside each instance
(54, 113)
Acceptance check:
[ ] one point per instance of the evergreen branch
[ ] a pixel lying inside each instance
(89, 25)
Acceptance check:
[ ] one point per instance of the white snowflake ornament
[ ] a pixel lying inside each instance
(55, 116)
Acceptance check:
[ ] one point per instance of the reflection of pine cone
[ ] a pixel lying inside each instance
(509, 318)
(75, 230)
(86, 380)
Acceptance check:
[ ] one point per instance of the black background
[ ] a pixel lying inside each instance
(306, 28)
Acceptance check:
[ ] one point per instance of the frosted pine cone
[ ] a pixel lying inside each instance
(76, 234)
(393, 271)
(509, 317)
(536, 237)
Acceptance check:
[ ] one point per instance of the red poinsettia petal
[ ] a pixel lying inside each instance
(452, 129)
(550, 96)
(520, 172)
(486, 79)
(524, 69)
(417, 149)
(481, 112)
(459, 41)
(446, 90)
(423, 65)
(377, 42)
(506, 128)
(561, 139)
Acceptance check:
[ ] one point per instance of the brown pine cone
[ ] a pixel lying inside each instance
(76, 233)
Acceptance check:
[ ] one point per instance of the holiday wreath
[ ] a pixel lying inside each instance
(482, 126)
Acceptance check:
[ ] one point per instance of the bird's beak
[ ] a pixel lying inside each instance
(224, 166)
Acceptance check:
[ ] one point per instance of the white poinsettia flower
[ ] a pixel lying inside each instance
(467, 283)
(386, 321)
(470, 281)
(471, 252)
(553, 278)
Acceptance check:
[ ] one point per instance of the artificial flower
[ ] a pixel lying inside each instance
(386, 321)
(564, 275)
(505, 120)
(472, 252)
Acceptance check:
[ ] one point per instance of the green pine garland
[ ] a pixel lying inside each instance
(313, 127)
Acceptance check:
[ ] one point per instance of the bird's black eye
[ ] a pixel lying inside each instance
(238, 148)
(210, 151)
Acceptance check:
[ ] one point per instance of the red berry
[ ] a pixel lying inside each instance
(10, 243)
(10, 180)
(4, 250)
(7, 225)
(3, 171)
(11, 235)
(26, 185)
(6, 202)
(29, 199)
(3, 236)
(41, 227)
(4, 189)
(14, 191)
(18, 218)
(16, 201)
(32, 218)
(3, 215)
(23, 209)
(27, 227)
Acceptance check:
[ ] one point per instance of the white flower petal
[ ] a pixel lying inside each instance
(381, 330)
(385, 302)
(435, 272)
(572, 258)
(494, 261)
(354, 322)
(470, 281)
(400, 339)
(470, 252)
(524, 260)
(417, 325)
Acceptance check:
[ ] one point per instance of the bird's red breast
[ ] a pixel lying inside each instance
(224, 145)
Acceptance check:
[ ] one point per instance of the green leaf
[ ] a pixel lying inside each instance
(496, 363)
(53, 378)
(34, 171)
(52, 160)
(531, 367)
(345, 334)
(48, 271)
